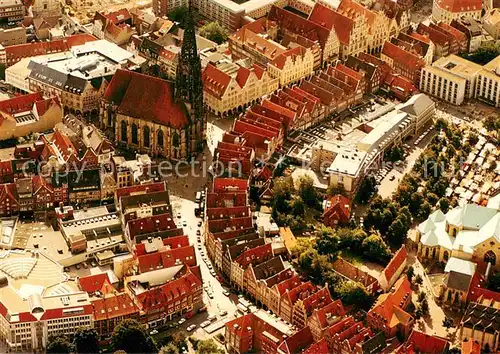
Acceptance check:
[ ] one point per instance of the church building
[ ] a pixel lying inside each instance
(155, 116)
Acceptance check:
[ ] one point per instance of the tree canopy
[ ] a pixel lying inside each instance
(484, 54)
(208, 346)
(178, 14)
(214, 32)
(131, 336)
(86, 340)
(58, 345)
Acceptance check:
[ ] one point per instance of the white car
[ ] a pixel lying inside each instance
(191, 327)
(223, 313)
(179, 215)
(154, 331)
(204, 324)
(226, 292)
(181, 321)
(184, 223)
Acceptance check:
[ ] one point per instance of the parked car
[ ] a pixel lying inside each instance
(154, 331)
(199, 223)
(202, 309)
(212, 272)
(184, 223)
(226, 292)
(204, 324)
(181, 321)
(223, 313)
(198, 233)
(179, 215)
(211, 318)
(210, 295)
(191, 327)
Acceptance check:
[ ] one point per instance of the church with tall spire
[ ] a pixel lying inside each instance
(188, 83)
(158, 117)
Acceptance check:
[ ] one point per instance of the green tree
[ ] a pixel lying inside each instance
(327, 243)
(170, 348)
(419, 280)
(424, 306)
(208, 346)
(492, 124)
(494, 282)
(298, 206)
(444, 205)
(314, 265)
(307, 191)
(397, 231)
(178, 14)
(301, 246)
(484, 54)
(282, 193)
(351, 238)
(58, 345)
(366, 189)
(214, 32)
(421, 296)
(131, 336)
(410, 272)
(86, 340)
(354, 293)
(447, 322)
(376, 249)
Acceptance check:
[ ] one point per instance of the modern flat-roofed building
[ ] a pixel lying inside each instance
(488, 83)
(450, 78)
(37, 301)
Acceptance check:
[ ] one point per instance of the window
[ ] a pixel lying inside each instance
(160, 138)
(124, 131)
(135, 139)
(146, 136)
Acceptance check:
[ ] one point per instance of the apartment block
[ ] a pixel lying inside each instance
(448, 10)
(451, 78)
(488, 83)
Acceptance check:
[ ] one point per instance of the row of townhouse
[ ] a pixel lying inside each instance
(161, 274)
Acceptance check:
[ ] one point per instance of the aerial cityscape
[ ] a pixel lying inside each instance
(250, 176)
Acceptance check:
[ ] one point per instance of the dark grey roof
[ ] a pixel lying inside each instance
(375, 344)
(239, 239)
(269, 268)
(458, 281)
(148, 198)
(482, 318)
(236, 250)
(162, 234)
(86, 180)
(55, 78)
(357, 64)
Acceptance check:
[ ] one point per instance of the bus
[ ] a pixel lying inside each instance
(198, 197)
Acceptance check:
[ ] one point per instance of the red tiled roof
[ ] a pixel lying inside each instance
(460, 5)
(140, 189)
(335, 308)
(353, 10)
(280, 60)
(420, 37)
(258, 70)
(175, 290)
(388, 305)
(395, 263)
(128, 90)
(150, 224)
(402, 56)
(255, 255)
(242, 76)
(229, 184)
(297, 342)
(119, 305)
(20, 103)
(215, 82)
(41, 48)
(5, 167)
(63, 144)
(320, 347)
(294, 23)
(93, 283)
(317, 300)
(39, 182)
(327, 17)
(288, 284)
(338, 210)
(167, 258)
(172, 242)
(422, 343)
(119, 16)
